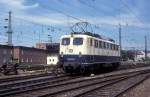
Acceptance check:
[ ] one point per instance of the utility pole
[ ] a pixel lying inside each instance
(9, 31)
(135, 53)
(120, 40)
(50, 39)
(50, 36)
(145, 48)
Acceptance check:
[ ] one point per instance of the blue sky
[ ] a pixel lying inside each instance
(32, 19)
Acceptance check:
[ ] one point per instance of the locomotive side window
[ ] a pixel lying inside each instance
(116, 47)
(77, 41)
(113, 48)
(107, 44)
(104, 44)
(91, 42)
(100, 44)
(96, 43)
(65, 41)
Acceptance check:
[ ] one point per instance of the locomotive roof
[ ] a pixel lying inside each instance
(94, 35)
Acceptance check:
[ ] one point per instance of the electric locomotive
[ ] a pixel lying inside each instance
(88, 52)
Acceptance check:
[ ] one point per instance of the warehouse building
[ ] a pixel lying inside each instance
(27, 55)
(6, 54)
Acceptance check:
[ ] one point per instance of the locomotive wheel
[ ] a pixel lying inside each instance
(82, 70)
(67, 70)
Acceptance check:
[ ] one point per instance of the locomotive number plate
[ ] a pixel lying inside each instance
(70, 50)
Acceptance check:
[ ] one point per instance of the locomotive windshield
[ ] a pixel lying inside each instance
(77, 41)
(65, 41)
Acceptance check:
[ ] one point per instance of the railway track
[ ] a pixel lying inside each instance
(22, 77)
(28, 76)
(116, 88)
(82, 86)
(20, 86)
(132, 65)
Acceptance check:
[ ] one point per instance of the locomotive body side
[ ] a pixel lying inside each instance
(83, 53)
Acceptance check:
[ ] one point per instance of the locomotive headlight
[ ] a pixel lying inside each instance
(80, 54)
(62, 54)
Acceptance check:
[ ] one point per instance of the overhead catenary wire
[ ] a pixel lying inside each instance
(66, 14)
(32, 22)
(58, 12)
(130, 10)
(96, 9)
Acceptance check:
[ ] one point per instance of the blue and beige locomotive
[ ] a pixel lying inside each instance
(87, 52)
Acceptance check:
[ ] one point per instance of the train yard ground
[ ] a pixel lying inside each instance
(141, 90)
(129, 80)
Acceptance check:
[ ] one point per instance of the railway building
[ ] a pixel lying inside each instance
(136, 55)
(53, 49)
(29, 55)
(6, 54)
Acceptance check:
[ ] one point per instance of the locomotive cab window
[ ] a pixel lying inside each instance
(77, 41)
(65, 41)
